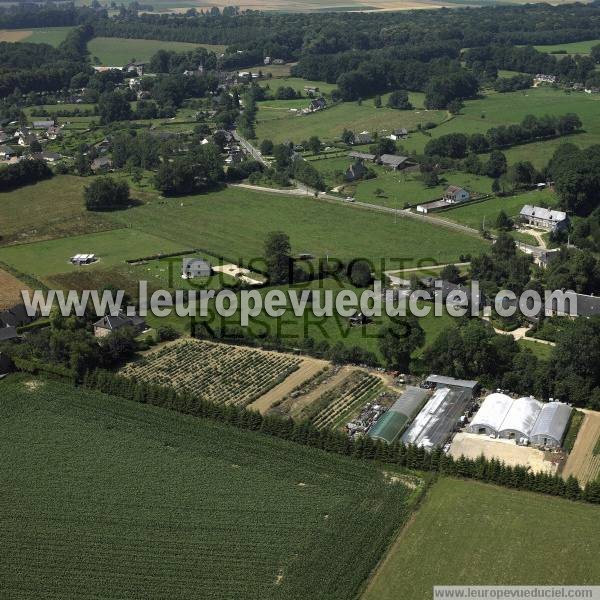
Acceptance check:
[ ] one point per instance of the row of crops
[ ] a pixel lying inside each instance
(112, 499)
(215, 372)
(354, 390)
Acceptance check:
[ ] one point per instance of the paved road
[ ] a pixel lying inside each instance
(254, 152)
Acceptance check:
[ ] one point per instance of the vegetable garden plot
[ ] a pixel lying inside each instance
(216, 372)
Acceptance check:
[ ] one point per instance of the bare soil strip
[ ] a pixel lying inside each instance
(581, 462)
(308, 368)
(7, 35)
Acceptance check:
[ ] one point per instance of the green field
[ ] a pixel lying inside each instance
(51, 257)
(572, 48)
(234, 222)
(474, 214)
(119, 51)
(502, 109)
(468, 533)
(49, 209)
(46, 35)
(279, 124)
(104, 498)
(295, 82)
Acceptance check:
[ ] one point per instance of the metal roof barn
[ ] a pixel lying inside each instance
(438, 418)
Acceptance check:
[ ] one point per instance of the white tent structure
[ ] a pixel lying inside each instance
(520, 419)
(490, 415)
(550, 427)
(525, 420)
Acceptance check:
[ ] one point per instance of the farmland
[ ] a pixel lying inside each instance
(209, 511)
(46, 210)
(47, 35)
(234, 223)
(276, 122)
(10, 290)
(572, 48)
(112, 247)
(584, 459)
(474, 532)
(119, 51)
(215, 372)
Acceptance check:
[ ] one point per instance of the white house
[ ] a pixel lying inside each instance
(455, 194)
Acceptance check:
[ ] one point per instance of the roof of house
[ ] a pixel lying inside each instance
(46, 155)
(543, 213)
(197, 262)
(113, 322)
(102, 161)
(454, 189)
(452, 381)
(8, 333)
(393, 159)
(362, 155)
(15, 316)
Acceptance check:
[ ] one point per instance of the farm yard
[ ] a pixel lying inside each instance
(208, 510)
(477, 532)
(215, 372)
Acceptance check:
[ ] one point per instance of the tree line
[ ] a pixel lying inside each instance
(363, 448)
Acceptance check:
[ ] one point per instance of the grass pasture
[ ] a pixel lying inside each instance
(279, 124)
(10, 290)
(467, 532)
(235, 221)
(43, 259)
(112, 499)
(46, 210)
(119, 51)
(572, 48)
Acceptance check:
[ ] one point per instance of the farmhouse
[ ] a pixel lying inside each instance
(391, 423)
(317, 104)
(195, 267)
(26, 139)
(393, 161)
(106, 325)
(525, 420)
(398, 134)
(455, 194)
(101, 164)
(43, 124)
(544, 218)
(363, 138)
(355, 171)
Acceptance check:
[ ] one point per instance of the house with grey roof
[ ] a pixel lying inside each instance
(362, 155)
(362, 138)
(109, 323)
(43, 124)
(355, 171)
(393, 161)
(544, 218)
(195, 267)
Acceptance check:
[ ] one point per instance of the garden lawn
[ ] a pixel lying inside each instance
(235, 221)
(120, 51)
(474, 214)
(106, 498)
(468, 533)
(41, 259)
